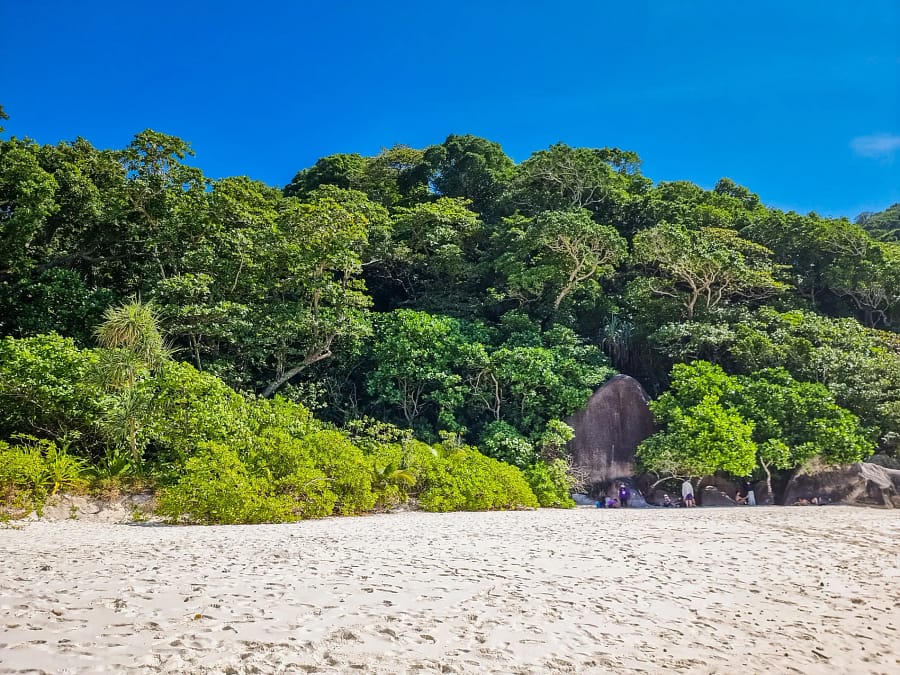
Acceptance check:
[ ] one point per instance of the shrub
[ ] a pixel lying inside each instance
(217, 488)
(309, 493)
(551, 483)
(36, 470)
(466, 480)
(189, 407)
(502, 441)
(345, 466)
(288, 467)
(43, 388)
(392, 479)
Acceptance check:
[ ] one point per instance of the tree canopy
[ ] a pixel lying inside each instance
(447, 289)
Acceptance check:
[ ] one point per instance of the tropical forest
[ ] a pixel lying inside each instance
(415, 327)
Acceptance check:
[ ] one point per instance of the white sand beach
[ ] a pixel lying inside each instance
(748, 590)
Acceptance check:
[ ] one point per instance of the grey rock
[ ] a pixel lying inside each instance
(608, 430)
(712, 496)
(860, 484)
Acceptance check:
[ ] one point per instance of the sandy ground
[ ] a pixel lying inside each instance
(744, 590)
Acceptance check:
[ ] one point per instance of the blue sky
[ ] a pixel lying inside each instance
(798, 100)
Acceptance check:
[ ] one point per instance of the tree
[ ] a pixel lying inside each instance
(795, 421)
(713, 421)
(414, 357)
(44, 389)
(812, 246)
(434, 248)
(711, 264)
(884, 225)
(346, 171)
(535, 377)
(470, 168)
(871, 280)
(321, 299)
(397, 176)
(133, 349)
(698, 440)
(164, 207)
(562, 178)
(561, 252)
(27, 200)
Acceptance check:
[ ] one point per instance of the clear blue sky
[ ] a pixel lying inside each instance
(799, 100)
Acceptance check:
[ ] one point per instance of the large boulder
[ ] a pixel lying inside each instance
(721, 483)
(713, 496)
(608, 430)
(861, 484)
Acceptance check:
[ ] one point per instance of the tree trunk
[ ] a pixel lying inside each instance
(280, 381)
(768, 481)
(132, 438)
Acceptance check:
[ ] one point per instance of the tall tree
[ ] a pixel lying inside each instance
(472, 168)
(320, 297)
(711, 265)
(27, 200)
(557, 254)
(564, 178)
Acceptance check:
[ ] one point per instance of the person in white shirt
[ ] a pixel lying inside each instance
(687, 493)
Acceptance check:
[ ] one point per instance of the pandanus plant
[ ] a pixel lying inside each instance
(133, 349)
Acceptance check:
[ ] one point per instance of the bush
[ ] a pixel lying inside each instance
(347, 469)
(190, 407)
(309, 493)
(502, 441)
(43, 388)
(466, 480)
(36, 470)
(551, 483)
(289, 469)
(392, 478)
(217, 488)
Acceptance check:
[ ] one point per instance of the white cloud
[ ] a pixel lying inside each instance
(876, 146)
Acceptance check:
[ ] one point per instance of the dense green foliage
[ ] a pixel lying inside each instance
(712, 421)
(445, 290)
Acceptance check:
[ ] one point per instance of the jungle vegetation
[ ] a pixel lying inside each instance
(349, 340)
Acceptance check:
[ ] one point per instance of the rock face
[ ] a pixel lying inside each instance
(609, 429)
(712, 496)
(721, 483)
(860, 484)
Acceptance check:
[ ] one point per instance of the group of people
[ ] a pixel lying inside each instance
(616, 502)
(746, 496)
(815, 501)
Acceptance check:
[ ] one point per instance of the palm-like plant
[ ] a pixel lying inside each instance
(617, 338)
(133, 348)
(387, 481)
(134, 327)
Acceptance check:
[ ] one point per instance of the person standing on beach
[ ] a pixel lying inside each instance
(687, 493)
(623, 495)
(748, 491)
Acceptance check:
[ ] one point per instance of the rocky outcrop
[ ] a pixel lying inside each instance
(712, 496)
(721, 483)
(608, 430)
(860, 484)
